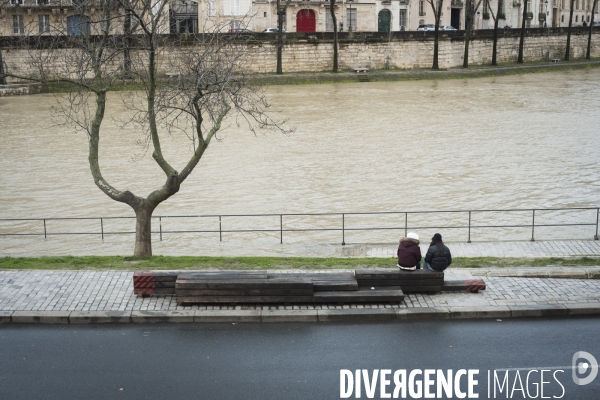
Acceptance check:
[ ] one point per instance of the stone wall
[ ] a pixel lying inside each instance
(401, 50)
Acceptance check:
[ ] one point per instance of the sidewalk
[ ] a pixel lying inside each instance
(107, 296)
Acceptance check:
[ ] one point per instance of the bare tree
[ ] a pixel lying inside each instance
(437, 13)
(335, 36)
(210, 86)
(522, 38)
(589, 45)
(497, 16)
(571, 7)
(2, 76)
(470, 10)
(281, 13)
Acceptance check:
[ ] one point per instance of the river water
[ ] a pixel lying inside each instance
(526, 141)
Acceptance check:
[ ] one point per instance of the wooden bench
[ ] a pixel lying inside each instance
(359, 70)
(555, 59)
(235, 287)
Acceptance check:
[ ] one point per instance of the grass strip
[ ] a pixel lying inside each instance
(264, 263)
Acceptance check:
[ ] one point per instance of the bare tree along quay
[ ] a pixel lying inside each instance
(207, 84)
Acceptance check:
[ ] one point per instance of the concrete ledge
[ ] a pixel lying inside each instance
(289, 316)
(41, 317)
(571, 273)
(422, 313)
(538, 310)
(5, 316)
(99, 317)
(592, 273)
(162, 316)
(473, 312)
(583, 309)
(227, 316)
(357, 314)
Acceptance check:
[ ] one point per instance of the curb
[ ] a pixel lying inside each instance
(553, 272)
(343, 315)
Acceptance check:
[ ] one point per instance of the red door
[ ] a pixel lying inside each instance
(306, 21)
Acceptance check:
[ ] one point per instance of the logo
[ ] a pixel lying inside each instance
(581, 368)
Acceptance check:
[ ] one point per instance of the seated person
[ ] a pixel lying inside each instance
(409, 252)
(438, 256)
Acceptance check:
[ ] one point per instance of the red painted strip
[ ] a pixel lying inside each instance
(140, 285)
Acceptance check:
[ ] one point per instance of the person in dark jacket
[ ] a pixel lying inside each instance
(438, 256)
(409, 252)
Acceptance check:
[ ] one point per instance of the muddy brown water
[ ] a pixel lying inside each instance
(527, 141)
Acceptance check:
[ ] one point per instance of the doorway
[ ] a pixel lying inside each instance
(455, 18)
(306, 21)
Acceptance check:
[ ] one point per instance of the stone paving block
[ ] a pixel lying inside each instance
(41, 317)
(583, 308)
(479, 312)
(538, 310)
(100, 317)
(423, 313)
(162, 316)
(357, 314)
(289, 316)
(227, 316)
(5, 316)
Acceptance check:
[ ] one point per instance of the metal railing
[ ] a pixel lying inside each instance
(343, 228)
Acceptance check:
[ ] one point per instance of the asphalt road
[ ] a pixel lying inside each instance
(285, 361)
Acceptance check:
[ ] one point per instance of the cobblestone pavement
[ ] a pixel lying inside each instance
(112, 291)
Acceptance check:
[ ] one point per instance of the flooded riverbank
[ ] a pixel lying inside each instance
(525, 141)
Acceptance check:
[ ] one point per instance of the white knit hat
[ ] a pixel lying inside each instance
(412, 235)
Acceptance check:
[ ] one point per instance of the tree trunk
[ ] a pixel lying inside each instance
(522, 39)
(335, 37)
(589, 46)
(569, 30)
(279, 38)
(2, 78)
(143, 231)
(127, 45)
(495, 44)
(436, 36)
(467, 38)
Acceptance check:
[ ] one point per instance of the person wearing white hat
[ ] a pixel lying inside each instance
(409, 252)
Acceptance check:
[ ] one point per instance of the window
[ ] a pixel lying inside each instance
(328, 20)
(235, 7)
(16, 2)
(43, 2)
(562, 19)
(18, 24)
(265, 14)
(402, 18)
(351, 19)
(78, 25)
(212, 9)
(44, 23)
(577, 4)
(421, 8)
(576, 18)
(485, 6)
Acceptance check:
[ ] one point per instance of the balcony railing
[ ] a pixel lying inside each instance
(458, 3)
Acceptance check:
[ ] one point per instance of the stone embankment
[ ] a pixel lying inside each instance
(313, 52)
